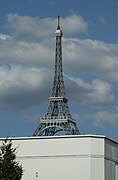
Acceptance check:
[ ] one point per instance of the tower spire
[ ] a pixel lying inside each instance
(58, 27)
(58, 117)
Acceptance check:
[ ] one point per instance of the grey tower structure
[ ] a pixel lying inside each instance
(58, 117)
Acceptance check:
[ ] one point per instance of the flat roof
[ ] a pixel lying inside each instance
(59, 137)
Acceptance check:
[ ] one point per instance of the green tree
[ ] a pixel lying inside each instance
(9, 167)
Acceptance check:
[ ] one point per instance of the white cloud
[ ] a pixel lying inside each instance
(105, 117)
(34, 54)
(92, 56)
(22, 86)
(102, 20)
(4, 37)
(74, 24)
(97, 93)
(101, 118)
(101, 93)
(27, 28)
(33, 29)
(79, 56)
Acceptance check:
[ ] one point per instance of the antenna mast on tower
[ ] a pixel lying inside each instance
(58, 117)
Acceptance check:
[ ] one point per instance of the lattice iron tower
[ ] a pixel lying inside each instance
(58, 117)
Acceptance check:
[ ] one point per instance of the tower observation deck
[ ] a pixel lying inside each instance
(58, 117)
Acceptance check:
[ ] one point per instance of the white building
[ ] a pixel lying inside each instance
(81, 157)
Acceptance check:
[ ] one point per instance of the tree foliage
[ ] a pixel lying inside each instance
(9, 167)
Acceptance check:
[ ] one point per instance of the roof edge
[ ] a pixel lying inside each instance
(59, 137)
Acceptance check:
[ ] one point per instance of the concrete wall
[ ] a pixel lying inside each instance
(66, 157)
(116, 171)
(111, 159)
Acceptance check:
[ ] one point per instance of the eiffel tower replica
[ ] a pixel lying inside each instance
(58, 117)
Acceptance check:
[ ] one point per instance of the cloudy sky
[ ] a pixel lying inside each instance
(90, 63)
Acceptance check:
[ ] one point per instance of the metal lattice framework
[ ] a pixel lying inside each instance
(58, 117)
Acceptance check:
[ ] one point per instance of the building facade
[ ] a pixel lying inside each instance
(82, 157)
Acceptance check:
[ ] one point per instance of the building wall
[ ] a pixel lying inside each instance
(66, 157)
(55, 158)
(63, 158)
(111, 160)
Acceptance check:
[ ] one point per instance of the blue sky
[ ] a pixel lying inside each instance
(90, 62)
